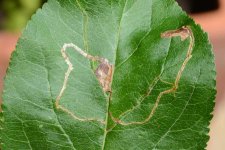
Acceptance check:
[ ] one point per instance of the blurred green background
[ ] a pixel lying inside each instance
(15, 13)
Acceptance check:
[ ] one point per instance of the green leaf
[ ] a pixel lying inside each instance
(163, 85)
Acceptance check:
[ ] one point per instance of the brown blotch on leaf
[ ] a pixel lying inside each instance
(104, 74)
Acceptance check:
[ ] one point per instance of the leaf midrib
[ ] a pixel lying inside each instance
(115, 58)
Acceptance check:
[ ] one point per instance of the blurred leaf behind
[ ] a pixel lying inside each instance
(14, 14)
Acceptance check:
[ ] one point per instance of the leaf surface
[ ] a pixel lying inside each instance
(146, 65)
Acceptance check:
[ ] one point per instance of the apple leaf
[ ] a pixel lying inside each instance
(109, 74)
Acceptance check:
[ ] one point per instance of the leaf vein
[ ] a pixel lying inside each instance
(185, 107)
(51, 95)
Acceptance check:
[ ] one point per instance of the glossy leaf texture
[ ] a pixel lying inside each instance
(139, 113)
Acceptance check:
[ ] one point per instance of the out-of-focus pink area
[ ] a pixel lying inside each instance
(7, 45)
(214, 24)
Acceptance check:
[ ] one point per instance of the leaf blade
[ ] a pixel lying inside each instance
(139, 55)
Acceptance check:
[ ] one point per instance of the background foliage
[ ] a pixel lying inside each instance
(15, 13)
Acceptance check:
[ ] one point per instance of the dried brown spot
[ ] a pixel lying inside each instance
(104, 74)
(183, 32)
